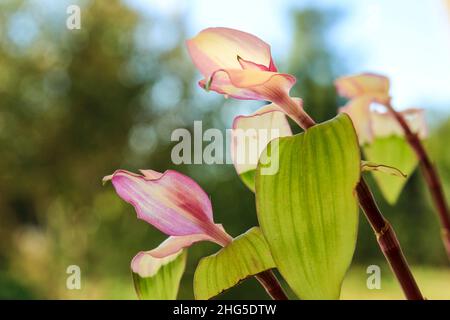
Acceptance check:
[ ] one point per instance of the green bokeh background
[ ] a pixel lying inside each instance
(76, 105)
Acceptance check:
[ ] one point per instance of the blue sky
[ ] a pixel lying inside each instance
(407, 40)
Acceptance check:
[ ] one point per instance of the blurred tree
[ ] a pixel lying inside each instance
(76, 105)
(65, 114)
(313, 62)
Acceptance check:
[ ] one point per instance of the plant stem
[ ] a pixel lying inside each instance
(388, 242)
(431, 177)
(271, 285)
(386, 237)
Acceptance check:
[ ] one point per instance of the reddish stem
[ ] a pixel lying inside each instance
(271, 285)
(431, 177)
(388, 242)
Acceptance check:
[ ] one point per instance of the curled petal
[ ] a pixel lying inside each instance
(172, 202)
(371, 84)
(217, 48)
(174, 244)
(250, 84)
(251, 134)
(245, 64)
(151, 174)
(147, 265)
(359, 111)
(384, 124)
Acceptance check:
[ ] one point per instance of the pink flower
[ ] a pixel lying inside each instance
(251, 134)
(384, 124)
(240, 65)
(365, 84)
(365, 89)
(173, 203)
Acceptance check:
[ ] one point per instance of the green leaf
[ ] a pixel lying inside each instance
(248, 178)
(308, 211)
(247, 255)
(393, 151)
(164, 283)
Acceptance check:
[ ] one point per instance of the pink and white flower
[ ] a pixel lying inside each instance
(240, 65)
(365, 89)
(252, 133)
(173, 203)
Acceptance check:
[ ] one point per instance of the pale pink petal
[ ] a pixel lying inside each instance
(151, 174)
(359, 111)
(416, 120)
(245, 64)
(147, 265)
(384, 123)
(250, 84)
(251, 134)
(374, 85)
(172, 202)
(174, 244)
(218, 48)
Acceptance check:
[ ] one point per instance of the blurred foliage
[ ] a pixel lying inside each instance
(313, 62)
(434, 283)
(77, 104)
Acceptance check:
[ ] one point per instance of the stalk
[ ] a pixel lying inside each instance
(270, 283)
(431, 177)
(387, 240)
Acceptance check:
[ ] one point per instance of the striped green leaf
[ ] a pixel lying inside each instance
(395, 152)
(308, 211)
(164, 281)
(247, 255)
